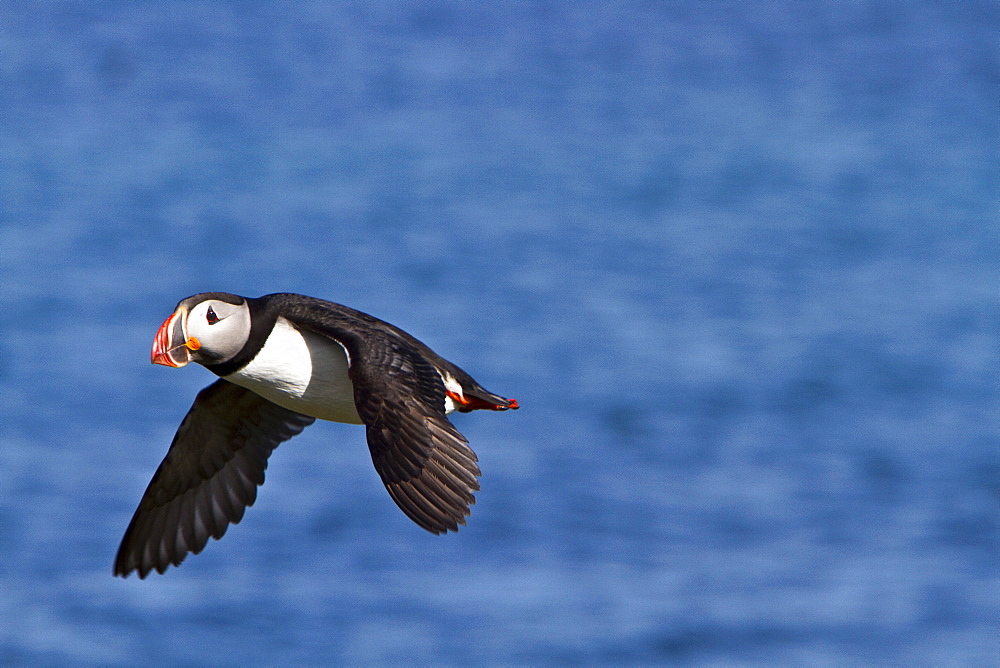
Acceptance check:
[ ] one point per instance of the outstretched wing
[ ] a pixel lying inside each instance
(424, 462)
(208, 478)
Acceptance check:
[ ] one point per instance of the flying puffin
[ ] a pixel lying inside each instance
(284, 360)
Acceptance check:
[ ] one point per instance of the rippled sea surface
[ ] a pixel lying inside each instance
(738, 263)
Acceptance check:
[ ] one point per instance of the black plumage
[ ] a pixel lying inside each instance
(219, 454)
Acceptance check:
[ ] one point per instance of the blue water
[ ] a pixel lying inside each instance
(738, 262)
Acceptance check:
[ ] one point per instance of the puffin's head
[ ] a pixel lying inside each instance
(209, 328)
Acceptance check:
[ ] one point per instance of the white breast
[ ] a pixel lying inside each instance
(303, 372)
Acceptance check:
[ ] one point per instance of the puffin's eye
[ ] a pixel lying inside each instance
(211, 317)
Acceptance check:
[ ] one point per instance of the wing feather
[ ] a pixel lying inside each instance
(425, 463)
(208, 478)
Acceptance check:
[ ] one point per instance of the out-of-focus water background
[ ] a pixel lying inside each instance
(737, 261)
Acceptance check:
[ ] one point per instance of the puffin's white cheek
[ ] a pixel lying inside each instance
(222, 341)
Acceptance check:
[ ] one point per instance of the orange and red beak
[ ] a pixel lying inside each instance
(172, 347)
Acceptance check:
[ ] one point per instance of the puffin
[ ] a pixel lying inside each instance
(283, 361)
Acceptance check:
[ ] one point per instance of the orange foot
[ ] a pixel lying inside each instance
(466, 404)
